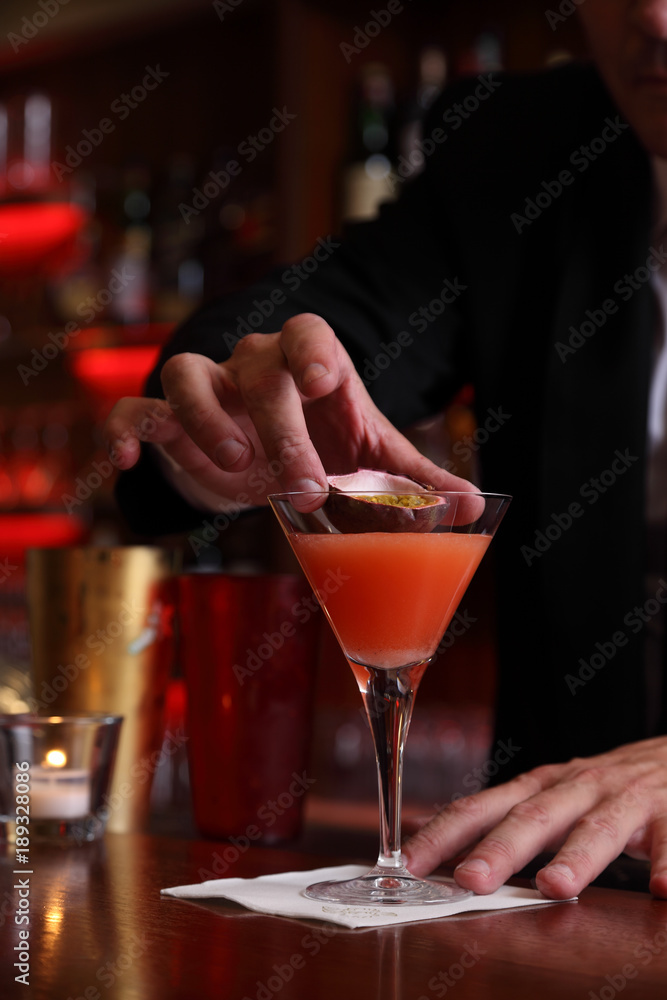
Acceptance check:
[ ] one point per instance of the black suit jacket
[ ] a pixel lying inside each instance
(532, 264)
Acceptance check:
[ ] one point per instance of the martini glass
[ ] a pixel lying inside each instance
(389, 573)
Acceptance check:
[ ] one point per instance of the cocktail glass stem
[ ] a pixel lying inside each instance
(388, 700)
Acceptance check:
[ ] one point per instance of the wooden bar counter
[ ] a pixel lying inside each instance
(100, 929)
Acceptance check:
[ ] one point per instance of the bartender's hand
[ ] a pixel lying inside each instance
(589, 811)
(283, 409)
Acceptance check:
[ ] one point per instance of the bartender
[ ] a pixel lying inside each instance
(546, 212)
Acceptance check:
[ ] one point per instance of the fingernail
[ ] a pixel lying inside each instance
(228, 452)
(307, 486)
(312, 373)
(559, 869)
(477, 866)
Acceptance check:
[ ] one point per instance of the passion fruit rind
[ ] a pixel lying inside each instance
(372, 500)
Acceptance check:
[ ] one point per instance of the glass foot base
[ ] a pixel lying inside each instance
(380, 888)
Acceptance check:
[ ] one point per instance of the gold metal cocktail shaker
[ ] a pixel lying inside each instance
(100, 626)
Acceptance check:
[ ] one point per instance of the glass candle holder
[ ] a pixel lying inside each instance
(55, 775)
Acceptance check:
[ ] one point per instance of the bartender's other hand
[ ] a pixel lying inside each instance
(283, 409)
(589, 810)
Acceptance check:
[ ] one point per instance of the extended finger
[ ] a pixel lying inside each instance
(598, 837)
(275, 407)
(136, 420)
(529, 828)
(194, 385)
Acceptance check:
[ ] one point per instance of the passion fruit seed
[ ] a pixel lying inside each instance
(397, 500)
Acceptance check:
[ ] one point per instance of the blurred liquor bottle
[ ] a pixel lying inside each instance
(178, 231)
(74, 293)
(368, 178)
(130, 304)
(25, 146)
(432, 76)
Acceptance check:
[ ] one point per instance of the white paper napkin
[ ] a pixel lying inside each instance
(283, 895)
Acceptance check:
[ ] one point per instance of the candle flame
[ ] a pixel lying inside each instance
(56, 758)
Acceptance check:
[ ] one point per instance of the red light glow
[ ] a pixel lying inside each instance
(37, 235)
(19, 532)
(108, 373)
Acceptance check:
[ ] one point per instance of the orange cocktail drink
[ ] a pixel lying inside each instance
(389, 596)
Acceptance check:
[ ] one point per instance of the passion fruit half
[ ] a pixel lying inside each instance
(371, 500)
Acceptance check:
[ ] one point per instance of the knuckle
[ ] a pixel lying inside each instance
(592, 774)
(576, 857)
(198, 416)
(173, 368)
(598, 825)
(305, 319)
(249, 345)
(637, 790)
(469, 809)
(262, 384)
(501, 847)
(291, 450)
(620, 805)
(530, 811)
(532, 782)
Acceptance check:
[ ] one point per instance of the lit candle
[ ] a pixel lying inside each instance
(58, 792)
